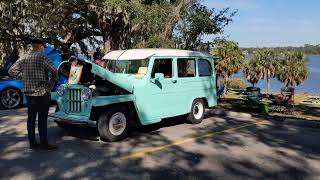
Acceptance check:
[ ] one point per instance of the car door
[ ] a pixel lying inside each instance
(157, 98)
(207, 80)
(187, 84)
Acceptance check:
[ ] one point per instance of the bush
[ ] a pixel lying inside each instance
(236, 84)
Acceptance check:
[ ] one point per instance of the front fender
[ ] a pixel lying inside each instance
(11, 83)
(107, 100)
(54, 96)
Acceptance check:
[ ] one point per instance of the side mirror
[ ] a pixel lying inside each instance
(159, 77)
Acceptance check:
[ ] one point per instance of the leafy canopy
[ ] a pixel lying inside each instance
(293, 69)
(119, 24)
(230, 58)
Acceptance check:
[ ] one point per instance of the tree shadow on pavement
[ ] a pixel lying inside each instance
(278, 152)
(86, 158)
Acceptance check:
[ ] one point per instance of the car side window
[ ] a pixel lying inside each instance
(204, 68)
(186, 67)
(162, 66)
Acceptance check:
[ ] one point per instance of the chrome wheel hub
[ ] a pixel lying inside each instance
(10, 98)
(117, 124)
(198, 110)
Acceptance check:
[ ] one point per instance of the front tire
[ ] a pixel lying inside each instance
(113, 125)
(197, 111)
(10, 98)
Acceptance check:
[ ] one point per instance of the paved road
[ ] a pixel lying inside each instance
(234, 146)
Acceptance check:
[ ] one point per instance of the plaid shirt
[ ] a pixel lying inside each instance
(34, 69)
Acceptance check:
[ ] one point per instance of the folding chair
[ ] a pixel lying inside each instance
(254, 96)
(284, 102)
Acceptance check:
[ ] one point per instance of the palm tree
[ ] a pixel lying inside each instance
(293, 69)
(269, 65)
(263, 65)
(253, 71)
(230, 59)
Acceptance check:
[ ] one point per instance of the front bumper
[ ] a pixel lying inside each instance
(72, 119)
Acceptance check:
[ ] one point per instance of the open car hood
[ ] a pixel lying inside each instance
(5, 78)
(124, 81)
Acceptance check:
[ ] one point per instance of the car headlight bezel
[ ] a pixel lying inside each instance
(86, 94)
(61, 90)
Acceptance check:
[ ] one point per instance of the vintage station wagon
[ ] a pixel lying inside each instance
(140, 86)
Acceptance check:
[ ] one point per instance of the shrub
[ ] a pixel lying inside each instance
(236, 83)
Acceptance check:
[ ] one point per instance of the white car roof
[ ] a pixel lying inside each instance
(133, 54)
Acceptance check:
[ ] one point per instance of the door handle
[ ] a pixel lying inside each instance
(174, 80)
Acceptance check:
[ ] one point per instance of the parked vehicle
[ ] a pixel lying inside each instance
(10, 93)
(140, 86)
(10, 89)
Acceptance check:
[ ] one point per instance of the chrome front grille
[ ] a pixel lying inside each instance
(74, 100)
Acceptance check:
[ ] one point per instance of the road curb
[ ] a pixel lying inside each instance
(302, 123)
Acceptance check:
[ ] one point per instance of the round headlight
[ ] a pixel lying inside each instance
(60, 90)
(86, 94)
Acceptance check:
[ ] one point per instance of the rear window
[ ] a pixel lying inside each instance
(204, 67)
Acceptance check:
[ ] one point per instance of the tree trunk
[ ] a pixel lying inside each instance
(107, 44)
(268, 86)
(217, 77)
(168, 30)
(226, 79)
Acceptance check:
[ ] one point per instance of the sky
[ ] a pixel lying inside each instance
(270, 23)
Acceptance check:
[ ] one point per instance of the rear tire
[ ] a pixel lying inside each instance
(114, 124)
(197, 111)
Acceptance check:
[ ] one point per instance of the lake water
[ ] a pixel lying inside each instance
(311, 85)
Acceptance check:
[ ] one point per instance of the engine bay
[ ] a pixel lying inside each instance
(98, 85)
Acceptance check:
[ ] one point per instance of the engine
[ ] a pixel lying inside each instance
(106, 88)
(99, 86)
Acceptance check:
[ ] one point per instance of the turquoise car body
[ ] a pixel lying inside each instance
(153, 99)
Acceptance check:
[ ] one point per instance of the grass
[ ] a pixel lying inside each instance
(236, 101)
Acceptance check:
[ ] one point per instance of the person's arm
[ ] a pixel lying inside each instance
(52, 72)
(15, 70)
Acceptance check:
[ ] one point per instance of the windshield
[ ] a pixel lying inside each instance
(128, 66)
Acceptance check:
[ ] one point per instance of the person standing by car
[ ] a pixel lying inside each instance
(97, 55)
(35, 69)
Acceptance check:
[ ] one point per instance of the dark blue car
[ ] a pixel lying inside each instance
(10, 89)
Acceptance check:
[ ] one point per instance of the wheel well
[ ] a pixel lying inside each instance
(12, 87)
(96, 111)
(205, 101)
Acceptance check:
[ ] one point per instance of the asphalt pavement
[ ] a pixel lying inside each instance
(229, 146)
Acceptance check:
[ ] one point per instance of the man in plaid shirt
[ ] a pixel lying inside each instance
(35, 69)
